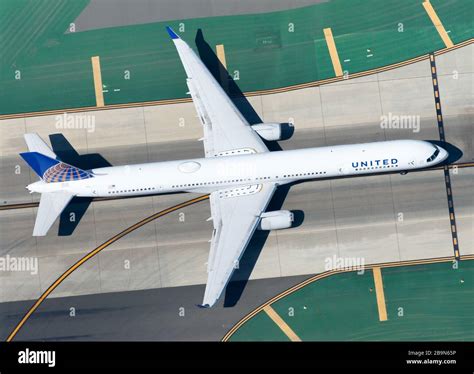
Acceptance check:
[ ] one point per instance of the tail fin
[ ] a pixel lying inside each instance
(50, 169)
(51, 206)
(46, 164)
(36, 144)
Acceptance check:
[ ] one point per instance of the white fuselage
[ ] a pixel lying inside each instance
(251, 169)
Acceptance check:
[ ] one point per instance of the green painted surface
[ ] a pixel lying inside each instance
(457, 18)
(328, 307)
(267, 53)
(31, 41)
(437, 303)
(262, 328)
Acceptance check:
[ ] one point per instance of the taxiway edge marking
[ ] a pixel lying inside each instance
(379, 293)
(336, 63)
(437, 23)
(99, 95)
(447, 175)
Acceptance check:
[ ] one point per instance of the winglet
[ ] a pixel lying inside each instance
(171, 33)
(203, 306)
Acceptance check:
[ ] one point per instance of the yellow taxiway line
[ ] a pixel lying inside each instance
(91, 254)
(379, 292)
(99, 95)
(437, 23)
(281, 324)
(222, 71)
(221, 54)
(333, 52)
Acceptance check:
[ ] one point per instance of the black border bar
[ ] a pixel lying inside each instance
(231, 356)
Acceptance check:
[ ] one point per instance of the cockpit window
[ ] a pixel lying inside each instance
(433, 156)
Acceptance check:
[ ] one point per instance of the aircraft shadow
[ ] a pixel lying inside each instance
(75, 210)
(69, 155)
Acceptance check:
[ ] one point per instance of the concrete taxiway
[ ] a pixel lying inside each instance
(381, 218)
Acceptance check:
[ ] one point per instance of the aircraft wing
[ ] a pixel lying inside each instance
(235, 219)
(225, 129)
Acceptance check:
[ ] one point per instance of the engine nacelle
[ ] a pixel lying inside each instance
(271, 131)
(276, 220)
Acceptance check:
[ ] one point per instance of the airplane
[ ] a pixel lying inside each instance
(238, 171)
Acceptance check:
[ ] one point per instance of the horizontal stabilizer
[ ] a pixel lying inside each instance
(51, 206)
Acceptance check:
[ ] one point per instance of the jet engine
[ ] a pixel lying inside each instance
(274, 131)
(276, 220)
